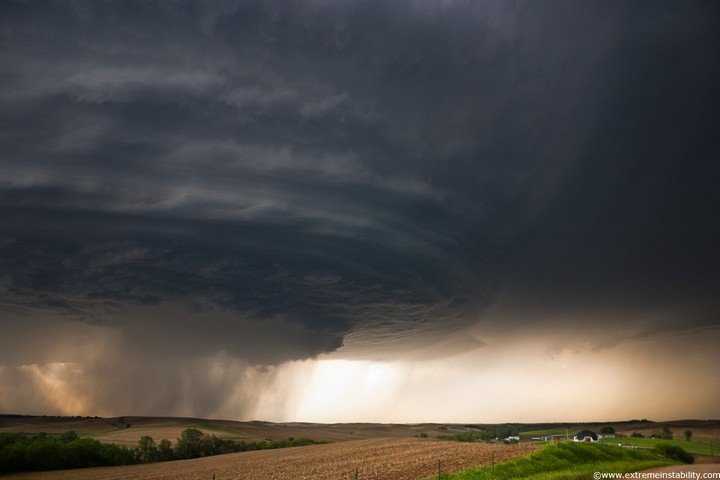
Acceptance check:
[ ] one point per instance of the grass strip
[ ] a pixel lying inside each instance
(566, 460)
(693, 446)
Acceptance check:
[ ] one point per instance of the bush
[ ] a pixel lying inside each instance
(674, 453)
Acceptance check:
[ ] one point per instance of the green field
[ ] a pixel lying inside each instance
(212, 428)
(547, 431)
(696, 447)
(566, 460)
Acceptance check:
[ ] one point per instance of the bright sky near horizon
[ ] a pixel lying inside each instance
(338, 211)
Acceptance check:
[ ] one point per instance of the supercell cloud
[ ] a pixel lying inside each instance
(230, 186)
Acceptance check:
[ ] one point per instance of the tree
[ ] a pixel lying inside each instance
(165, 450)
(688, 435)
(190, 443)
(607, 430)
(673, 452)
(147, 450)
(667, 433)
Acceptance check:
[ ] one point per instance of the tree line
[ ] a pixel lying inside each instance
(25, 452)
(21, 452)
(484, 435)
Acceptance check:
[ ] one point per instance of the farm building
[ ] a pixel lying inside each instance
(586, 436)
(549, 438)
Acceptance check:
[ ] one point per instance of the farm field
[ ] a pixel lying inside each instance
(377, 459)
(378, 451)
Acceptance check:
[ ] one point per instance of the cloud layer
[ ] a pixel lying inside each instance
(252, 183)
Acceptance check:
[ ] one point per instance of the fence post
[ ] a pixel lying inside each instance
(356, 473)
(439, 471)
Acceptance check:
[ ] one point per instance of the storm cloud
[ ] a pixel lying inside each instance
(243, 184)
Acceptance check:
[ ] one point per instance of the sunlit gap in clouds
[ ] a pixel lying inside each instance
(514, 379)
(335, 390)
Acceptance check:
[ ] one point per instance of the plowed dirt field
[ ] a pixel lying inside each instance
(375, 459)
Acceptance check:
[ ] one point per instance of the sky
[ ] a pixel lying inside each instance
(360, 210)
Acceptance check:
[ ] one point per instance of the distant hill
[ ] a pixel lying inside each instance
(127, 430)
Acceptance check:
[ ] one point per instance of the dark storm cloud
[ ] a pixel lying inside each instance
(367, 168)
(629, 233)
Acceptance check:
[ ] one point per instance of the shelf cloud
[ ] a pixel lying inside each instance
(249, 187)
